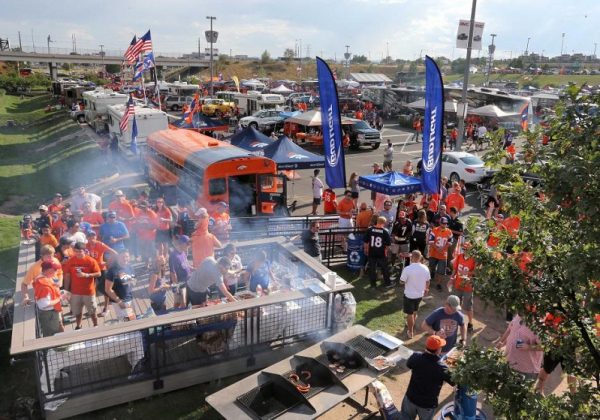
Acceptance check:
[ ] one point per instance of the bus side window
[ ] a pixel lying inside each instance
(217, 186)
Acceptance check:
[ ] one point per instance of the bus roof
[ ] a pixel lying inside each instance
(189, 147)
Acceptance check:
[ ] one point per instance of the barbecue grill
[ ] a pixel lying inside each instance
(320, 376)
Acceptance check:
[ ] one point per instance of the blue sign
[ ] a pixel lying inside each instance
(432, 128)
(331, 124)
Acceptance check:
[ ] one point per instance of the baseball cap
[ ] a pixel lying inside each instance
(43, 208)
(202, 212)
(112, 214)
(119, 193)
(434, 343)
(454, 302)
(444, 220)
(183, 239)
(91, 233)
(402, 214)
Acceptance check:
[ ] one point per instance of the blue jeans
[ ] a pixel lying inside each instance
(410, 411)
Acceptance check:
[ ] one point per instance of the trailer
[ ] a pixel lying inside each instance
(148, 120)
(96, 104)
(249, 103)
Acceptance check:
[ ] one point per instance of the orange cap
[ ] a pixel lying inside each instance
(434, 343)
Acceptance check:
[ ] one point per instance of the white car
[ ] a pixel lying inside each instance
(262, 119)
(462, 165)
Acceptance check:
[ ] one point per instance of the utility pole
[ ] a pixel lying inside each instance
(308, 51)
(74, 42)
(102, 55)
(463, 98)
(33, 40)
(199, 50)
(595, 45)
(387, 57)
(562, 43)
(21, 46)
(49, 41)
(212, 40)
(347, 57)
(491, 50)
(527, 48)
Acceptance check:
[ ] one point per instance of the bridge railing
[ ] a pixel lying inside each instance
(43, 49)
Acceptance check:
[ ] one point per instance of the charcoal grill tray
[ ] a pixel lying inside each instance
(321, 375)
(272, 407)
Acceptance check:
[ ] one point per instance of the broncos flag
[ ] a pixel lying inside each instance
(525, 117)
(331, 125)
(134, 134)
(432, 129)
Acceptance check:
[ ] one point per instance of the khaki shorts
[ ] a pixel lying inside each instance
(79, 301)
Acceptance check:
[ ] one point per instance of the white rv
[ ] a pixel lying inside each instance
(249, 103)
(183, 89)
(96, 104)
(148, 120)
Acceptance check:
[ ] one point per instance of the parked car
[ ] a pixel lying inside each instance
(175, 103)
(217, 107)
(362, 134)
(262, 119)
(461, 165)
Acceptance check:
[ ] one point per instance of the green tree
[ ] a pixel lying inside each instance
(458, 65)
(559, 229)
(359, 59)
(265, 57)
(113, 68)
(288, 54)
(516, 63)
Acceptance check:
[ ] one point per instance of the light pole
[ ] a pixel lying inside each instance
(595, 45)
(562, 43)
(387, 57)
(463, 97)
(49, 41)
(102, 56)
(212, 41)
(347, 57)
(491, 50)
(527, 47)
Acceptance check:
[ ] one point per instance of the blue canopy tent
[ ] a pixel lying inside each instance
(201, 123)
(289, 156)
(390, 183)
(251, 140)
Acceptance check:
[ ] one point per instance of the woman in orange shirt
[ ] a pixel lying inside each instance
(163, 232)
(203, 242)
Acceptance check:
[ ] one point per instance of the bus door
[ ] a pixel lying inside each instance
(242, 195)
(272, 196)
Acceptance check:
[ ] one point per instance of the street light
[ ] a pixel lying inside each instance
(212, 38)
(562, 43)
(102, 53)
(347, 57)
(527, 47)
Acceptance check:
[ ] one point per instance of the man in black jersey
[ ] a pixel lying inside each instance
(377, 240)
(401, 234)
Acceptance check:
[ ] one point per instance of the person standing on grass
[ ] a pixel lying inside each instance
(445, 323)
(523, 348)
(345, 208)
(416, 279)
(439, 242)
(463, 268)
(377, 240)
(317, 188)
(80, 279)
(428, 375)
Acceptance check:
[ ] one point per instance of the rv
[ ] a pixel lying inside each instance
(74, 94)
(249, 103)
(182, 89)
(96, 104)
(148, 120)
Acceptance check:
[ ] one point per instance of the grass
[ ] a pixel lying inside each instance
(9, 250)
(26, 110)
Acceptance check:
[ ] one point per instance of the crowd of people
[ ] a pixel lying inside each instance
(87, 257)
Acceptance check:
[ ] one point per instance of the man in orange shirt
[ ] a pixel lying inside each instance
(47, 299)
(222, 221)
(57, 204)
(463, 268)
(59, 225)
(47, 238)
(439, 242)
(98, 250)
(203, 242)
(329, 203)
(46, 255)
(163, 233)
(94, 218)
(364, 216)
(455, 198)
(81, 271)
(146, 223)
(123, 208)
(345, 208)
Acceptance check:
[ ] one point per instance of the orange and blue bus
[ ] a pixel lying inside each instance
(189, 166)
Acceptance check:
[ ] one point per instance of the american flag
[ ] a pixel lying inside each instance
(129, 111)
(129, 52)
(146, 42)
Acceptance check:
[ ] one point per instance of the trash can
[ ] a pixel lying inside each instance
(464, 407)
(356, 255)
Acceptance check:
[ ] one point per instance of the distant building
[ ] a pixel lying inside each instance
(370, 78)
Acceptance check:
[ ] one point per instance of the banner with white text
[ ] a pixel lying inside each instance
(432, 128)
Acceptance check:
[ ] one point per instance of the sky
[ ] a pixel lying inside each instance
(405, 28)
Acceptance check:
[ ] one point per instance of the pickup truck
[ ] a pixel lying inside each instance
(361, 134)
(262, 119)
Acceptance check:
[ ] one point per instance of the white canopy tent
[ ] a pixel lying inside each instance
(312, 119)
(281, 89)
(491, 111)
